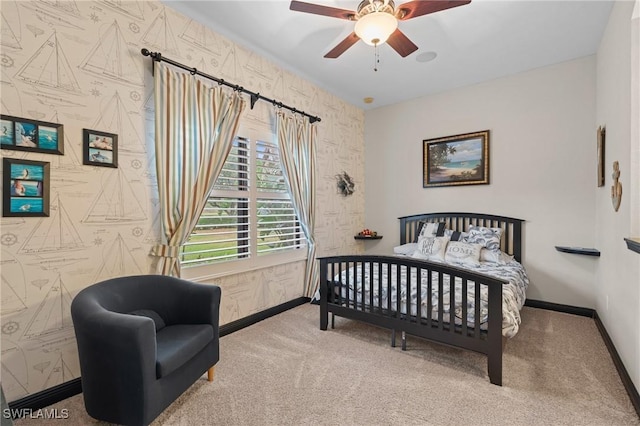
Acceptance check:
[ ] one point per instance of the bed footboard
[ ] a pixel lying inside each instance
(435, 301)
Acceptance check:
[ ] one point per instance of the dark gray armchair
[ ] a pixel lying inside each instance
(142, 341)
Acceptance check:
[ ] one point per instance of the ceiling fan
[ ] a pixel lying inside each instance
(377, 21)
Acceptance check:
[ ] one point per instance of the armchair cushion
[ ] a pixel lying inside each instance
(176, 344)
(149, 313)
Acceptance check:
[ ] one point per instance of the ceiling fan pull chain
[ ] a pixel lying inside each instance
(376, 57)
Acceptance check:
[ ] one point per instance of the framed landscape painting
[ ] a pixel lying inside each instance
(456, 160)
(99, 148)
(28, 188)
(23, 134)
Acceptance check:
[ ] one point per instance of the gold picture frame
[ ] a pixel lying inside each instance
(456, 160)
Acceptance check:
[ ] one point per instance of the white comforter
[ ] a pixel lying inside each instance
(513, 293)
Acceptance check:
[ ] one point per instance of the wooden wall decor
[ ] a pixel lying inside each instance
(601, 157)
(616, 188)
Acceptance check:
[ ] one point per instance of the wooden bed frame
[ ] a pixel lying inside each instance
(463, 335)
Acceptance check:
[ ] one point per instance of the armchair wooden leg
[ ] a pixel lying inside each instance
(210, 373)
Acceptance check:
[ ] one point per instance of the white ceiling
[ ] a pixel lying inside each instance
(480, 41)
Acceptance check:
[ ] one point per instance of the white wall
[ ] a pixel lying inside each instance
(543, 157)
(618, 271)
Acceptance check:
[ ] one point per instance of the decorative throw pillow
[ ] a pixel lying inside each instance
(431, 248)
(487, 237)
(406, 249)
(463, 253)
(157, 319)
(455, 235)
(429, 229)
(492, 256)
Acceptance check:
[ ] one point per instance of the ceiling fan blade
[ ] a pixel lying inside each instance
(343, 46)
(401, 43)
(416, 8)
(317, 9)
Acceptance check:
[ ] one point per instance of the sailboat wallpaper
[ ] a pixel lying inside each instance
(78, 64)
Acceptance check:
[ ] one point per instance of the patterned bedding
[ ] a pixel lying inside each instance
(513, 293)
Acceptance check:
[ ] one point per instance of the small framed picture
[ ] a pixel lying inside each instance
(22, 134)
(99, 148)
(28, 184)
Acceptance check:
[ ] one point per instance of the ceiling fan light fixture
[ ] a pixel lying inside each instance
(376, 27)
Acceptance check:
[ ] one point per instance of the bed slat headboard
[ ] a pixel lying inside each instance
(511, 242)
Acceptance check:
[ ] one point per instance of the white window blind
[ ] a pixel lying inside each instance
(278, 227)
(249, 212)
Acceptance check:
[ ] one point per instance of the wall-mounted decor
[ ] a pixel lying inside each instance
(601, 159)
(456, 160)
(345, 184)
(616, 188)
(23, 134)
(28, 188)
(99, 148)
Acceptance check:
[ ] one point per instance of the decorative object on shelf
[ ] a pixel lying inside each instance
(579, 250)
(22, 134)
(616, 188)
(367, 233)
(345, 184)
(456, 160)
(99, 148)
(26, 186)
(601, 158)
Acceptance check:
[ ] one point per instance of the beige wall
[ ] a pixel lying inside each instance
(103, 221)
(542, 167)
(618, 270)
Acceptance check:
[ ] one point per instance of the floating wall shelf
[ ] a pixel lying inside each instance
(633, 244)
(579, 250)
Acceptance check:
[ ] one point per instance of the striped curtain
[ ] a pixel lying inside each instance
(297, 139)
(195, 127)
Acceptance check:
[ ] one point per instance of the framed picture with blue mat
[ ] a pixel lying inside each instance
(26, 188)
(23, 134)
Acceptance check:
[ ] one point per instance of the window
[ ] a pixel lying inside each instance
(249, 213)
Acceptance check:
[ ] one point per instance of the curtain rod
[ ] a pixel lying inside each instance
(157, 56)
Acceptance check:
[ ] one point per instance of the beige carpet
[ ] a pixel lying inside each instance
(285, 371)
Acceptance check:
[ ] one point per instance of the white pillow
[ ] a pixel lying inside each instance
(463, 253)
(431, 248)
(406, 249)
(492, 256)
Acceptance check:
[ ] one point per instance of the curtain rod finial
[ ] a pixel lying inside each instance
(157, 56)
